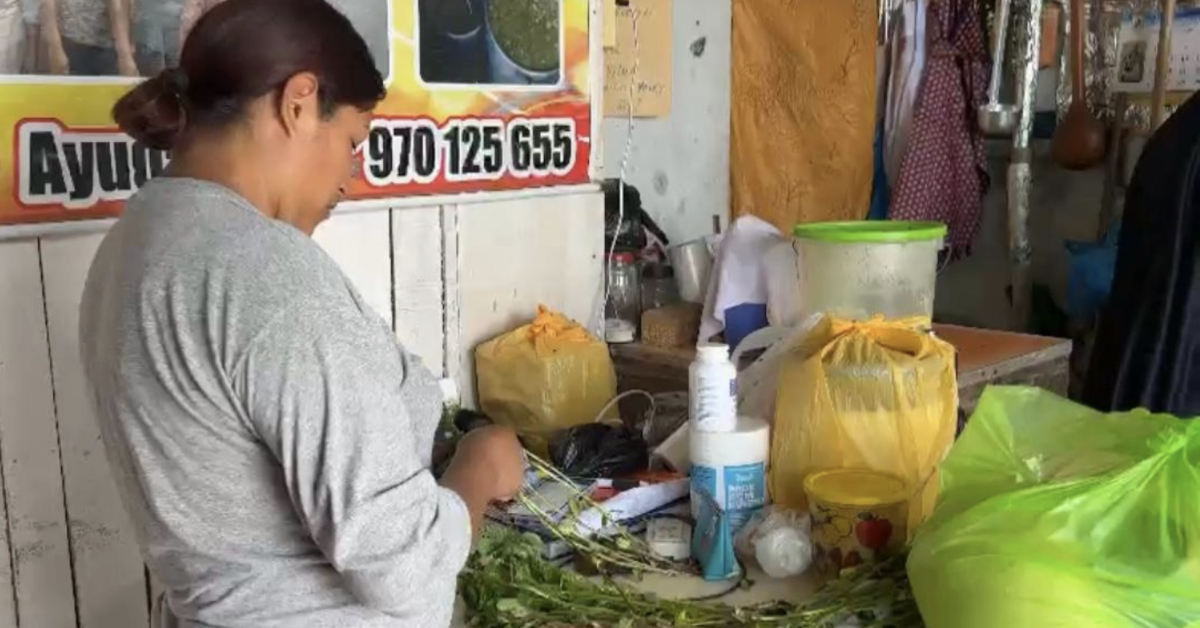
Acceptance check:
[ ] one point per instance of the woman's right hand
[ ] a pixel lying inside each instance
(495, 457)
(489, 466)
(58, 61)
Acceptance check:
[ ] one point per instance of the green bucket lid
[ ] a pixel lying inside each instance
(870, 231)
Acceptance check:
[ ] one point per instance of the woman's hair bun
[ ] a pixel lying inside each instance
(153, 112)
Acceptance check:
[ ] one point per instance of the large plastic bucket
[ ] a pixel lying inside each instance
(858, 517)
(859, 269)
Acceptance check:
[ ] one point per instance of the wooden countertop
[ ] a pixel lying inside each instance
(987, 354)
(984, 356)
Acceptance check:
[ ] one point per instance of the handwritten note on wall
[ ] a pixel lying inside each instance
(645, 63)
(610, 24)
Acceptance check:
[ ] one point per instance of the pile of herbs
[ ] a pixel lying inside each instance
(508, 584)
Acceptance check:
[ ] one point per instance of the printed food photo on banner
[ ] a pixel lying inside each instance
(501, 42)
(483, 95)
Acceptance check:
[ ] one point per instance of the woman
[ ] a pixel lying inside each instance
(88, 37)
(12, 37)
(156, 34)
(1147, 351)
(271, 440)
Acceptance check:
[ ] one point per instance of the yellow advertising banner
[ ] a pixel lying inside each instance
(483, 95)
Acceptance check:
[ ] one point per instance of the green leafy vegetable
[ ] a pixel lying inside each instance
(507, 584)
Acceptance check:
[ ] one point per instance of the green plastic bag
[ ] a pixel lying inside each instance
(1054, 515)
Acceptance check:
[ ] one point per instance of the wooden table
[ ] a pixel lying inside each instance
(988, 357)
(985, 357)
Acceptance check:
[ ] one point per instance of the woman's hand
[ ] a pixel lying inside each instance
(489, 466)
(58, 61)
(493, 457)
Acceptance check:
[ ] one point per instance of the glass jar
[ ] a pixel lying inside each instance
(623, 310)
(658, 286)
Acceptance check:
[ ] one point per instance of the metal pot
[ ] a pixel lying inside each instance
(506, 71)
(693, 265)
(452, 47)
(997, 119)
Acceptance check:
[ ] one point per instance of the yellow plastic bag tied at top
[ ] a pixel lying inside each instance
(546, 376)
(1058, 516)
(879, 395)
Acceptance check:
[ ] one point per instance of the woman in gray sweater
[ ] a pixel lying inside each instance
(271, 439)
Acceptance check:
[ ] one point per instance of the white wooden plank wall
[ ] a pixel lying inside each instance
(39, 564)
(417, 272)
(446, 277)
(516, 255)
(110, 583)
(360, 243)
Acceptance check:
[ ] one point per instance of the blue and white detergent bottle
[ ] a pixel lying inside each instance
(729, 486)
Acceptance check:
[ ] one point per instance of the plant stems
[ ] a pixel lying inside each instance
(508, 584)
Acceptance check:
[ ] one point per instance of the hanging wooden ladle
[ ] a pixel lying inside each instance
(1079, 140)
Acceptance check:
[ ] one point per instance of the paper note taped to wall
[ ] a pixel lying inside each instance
(1137, 50)
(641, 58)
(610, 24)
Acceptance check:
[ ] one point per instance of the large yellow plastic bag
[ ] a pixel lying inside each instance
(1055, 515)
(543, 377)
(878, 395)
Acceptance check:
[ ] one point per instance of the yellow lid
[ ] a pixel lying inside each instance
(856, 487)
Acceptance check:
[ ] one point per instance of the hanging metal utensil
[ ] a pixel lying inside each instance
(997, 119)
(1020, 174)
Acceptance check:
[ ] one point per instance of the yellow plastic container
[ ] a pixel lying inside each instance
(858, 517)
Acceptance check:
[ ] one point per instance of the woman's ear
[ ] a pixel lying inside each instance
(300, 105)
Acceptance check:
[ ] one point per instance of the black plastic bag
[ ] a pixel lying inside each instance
(597, 450)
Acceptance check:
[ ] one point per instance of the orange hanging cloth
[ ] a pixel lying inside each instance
(804, 109)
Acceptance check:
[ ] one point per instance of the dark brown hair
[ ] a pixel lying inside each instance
(242, 50)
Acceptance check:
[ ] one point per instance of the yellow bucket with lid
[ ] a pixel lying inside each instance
(858, 517)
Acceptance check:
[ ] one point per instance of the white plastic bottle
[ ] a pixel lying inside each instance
(712, 388)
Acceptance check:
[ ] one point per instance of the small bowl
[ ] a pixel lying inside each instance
(998, 120)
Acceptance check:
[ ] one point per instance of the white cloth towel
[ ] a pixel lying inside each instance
(739, 273)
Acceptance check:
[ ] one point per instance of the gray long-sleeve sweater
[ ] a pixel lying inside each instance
(270, 438)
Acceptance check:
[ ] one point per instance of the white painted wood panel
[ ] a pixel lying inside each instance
(154, 591)
(360, 242)
(8, 598)
(417, 272)
(513, 256)
(452, 324)
(110, 581)
(33, 489)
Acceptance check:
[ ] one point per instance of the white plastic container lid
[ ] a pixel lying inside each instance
(712, 352)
